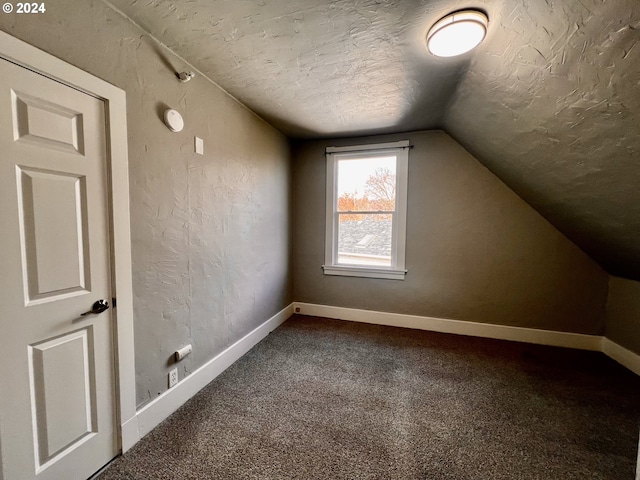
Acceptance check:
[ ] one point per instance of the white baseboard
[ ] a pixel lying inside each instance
(597, 343)
(474, 329)
(621, 355)
(130, 434)
(149, 416)
(638, 463)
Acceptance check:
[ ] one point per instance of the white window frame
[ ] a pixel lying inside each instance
(399, 231)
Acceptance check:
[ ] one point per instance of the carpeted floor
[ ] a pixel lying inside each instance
(325, 399)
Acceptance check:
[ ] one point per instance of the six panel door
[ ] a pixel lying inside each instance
(57, 400)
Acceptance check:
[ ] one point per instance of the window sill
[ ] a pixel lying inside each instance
(366, 272)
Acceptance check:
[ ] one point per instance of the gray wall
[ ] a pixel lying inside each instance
(623, 313)
(475, 250)
(211, 234)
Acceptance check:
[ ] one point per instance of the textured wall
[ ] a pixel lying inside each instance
(623, 313)
(548, 102)
(210, 233)
(475, 250)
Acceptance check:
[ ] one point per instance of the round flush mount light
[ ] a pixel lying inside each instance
(457, 33)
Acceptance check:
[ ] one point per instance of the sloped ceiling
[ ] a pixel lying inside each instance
(550, 102)
(551, 105)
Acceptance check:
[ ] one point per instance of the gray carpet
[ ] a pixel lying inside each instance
(325, 399)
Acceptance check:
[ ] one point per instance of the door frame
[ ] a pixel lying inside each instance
(114, 98)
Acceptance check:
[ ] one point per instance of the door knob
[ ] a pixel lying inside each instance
(98, 307)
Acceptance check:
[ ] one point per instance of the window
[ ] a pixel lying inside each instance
(366, 210)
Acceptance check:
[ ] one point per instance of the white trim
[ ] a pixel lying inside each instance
(374, 146)
(396, 270)
(331, 233)
(25, 55)
(638, 463)
(160, 408)
(152, 414)
(148, 417)
(459, 327)
(130, 435)
(624, 357)
(400, 225)
(596, 343)
(367, 272)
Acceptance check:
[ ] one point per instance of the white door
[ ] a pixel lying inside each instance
(57, 398)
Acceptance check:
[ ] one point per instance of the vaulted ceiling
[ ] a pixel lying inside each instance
(550, 102)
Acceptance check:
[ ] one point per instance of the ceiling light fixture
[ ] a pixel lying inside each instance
(457, 33)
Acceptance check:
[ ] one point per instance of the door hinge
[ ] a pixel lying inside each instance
(113, 302)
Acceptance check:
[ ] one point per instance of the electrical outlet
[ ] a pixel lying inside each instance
(173, 377)
(297, 309)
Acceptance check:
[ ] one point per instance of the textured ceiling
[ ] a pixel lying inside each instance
(550, 102)
(314, 68)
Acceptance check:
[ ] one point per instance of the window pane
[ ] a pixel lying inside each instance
(367, 184)
(365, 239)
